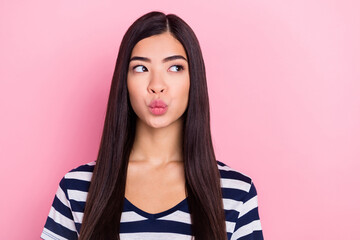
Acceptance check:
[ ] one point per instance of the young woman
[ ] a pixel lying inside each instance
(156, 175)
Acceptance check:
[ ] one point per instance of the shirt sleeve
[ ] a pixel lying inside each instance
(60, 223)
(248, 226)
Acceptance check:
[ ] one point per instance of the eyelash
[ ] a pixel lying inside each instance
(181, 67)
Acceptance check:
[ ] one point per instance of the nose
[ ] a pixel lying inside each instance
(156, 84)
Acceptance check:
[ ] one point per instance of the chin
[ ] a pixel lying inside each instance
(157, 123)
(158, 126)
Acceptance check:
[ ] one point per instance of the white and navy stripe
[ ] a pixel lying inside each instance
(239, 198)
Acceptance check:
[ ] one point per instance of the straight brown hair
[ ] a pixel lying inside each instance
(106, 194)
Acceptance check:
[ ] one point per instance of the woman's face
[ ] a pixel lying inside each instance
(158, 70)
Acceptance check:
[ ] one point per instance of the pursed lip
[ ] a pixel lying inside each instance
(158, 103)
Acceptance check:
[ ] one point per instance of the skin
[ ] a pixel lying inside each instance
(155, 178)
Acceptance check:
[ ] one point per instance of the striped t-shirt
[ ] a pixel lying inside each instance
(239, 198)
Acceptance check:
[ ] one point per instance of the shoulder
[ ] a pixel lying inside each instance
(235, 184)
(81, 172)
(78, 178)
(239, 199)
(240, 204)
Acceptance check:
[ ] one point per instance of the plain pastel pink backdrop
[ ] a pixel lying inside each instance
(284, 85)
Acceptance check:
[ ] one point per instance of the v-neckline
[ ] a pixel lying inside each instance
(154, 216)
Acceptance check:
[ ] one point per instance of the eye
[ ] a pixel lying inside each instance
(176, 68)
(140, 68)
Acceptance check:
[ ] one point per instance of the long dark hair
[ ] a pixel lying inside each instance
(107, 188)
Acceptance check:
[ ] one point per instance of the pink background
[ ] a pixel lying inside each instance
(283, 79)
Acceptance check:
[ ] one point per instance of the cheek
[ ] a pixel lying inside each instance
(134, 95)
(183, 93)
(186, 87)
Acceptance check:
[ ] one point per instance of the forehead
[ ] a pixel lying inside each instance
(158, 46)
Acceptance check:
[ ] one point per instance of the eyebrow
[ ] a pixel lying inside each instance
(167, 59)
